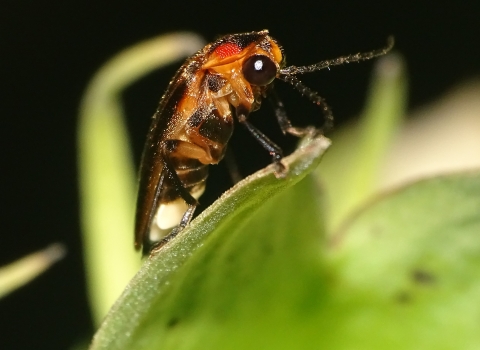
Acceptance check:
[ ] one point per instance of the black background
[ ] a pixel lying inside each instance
(50, 49)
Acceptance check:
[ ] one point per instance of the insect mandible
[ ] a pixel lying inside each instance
(193, 123)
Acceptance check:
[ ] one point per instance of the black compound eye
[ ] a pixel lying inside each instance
(259, 70)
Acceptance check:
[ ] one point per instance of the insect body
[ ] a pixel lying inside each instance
(227, 79)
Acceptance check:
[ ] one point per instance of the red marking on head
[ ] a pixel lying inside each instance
(227, 50)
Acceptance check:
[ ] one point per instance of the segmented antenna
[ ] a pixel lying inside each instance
(312, 96)
(361, 56)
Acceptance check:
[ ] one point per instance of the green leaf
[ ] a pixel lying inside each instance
(222, 280)
(402, 274)
(22, 271)
(407, 268)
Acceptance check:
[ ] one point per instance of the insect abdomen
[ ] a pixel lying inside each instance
(191, 173)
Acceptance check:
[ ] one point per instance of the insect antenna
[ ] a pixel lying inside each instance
(358, 57)
(288, 75)
(312, 96)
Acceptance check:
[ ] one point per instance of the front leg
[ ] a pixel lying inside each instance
(274, 150)
(283, 120)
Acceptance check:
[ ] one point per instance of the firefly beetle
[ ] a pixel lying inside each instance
(227, 79)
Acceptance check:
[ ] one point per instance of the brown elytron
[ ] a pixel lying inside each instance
(194, 121)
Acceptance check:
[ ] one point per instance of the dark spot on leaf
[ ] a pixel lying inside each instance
(404, 297)
(230, 258)
(267, 249)
(423, 277)
(173, 322)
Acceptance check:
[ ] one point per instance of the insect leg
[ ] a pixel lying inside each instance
(312, 96)
(274, 150)
(283, 120)
(232, 166)
(169, 149)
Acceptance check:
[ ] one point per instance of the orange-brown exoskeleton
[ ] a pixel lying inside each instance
(227, 79)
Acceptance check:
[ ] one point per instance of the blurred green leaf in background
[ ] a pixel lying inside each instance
(24, 270)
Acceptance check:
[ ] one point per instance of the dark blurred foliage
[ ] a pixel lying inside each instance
(50, 49)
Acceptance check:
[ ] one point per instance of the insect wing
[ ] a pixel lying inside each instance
(151, 168)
